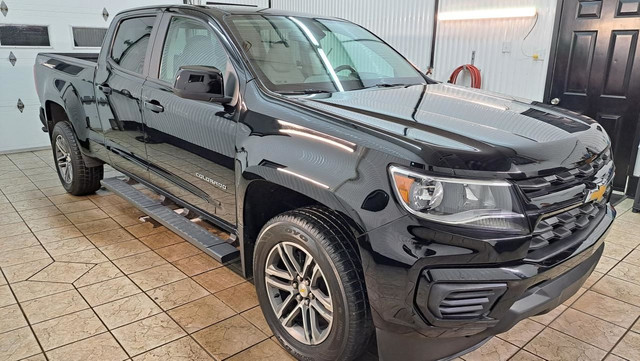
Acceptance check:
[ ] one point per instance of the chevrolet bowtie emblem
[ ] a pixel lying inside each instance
(597, 194)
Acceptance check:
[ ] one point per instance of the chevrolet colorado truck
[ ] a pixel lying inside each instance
(362, 197)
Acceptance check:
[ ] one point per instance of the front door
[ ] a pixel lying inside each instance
(190, 144)
(597, 71)
(120, 81)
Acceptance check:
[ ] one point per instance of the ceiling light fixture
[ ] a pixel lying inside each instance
(488, 14)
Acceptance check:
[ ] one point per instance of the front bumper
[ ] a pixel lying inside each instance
(408, 328)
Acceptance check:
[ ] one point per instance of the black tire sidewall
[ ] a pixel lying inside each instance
(334, 345)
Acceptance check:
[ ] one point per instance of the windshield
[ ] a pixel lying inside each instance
(304, 55)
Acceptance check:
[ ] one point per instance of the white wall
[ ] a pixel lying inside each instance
(22, 130)
(505, 72)
(407, 25)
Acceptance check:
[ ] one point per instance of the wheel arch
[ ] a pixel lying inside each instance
(56, 113)
(255, 212)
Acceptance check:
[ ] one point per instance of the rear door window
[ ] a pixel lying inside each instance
(131, 43)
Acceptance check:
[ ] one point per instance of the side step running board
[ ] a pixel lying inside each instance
(214, 246)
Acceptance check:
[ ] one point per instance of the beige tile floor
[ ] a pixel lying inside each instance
(82, 278)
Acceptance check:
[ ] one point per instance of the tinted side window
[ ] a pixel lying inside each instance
(131, 42)
(190, 42)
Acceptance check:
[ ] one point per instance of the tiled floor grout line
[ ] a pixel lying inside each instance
(526, 343)
(621, 338)
(74, 287)
(33, 333)
(152, 300)
(566, 334)
(543, 329)
(54, 261)
(101, 321)
(85, 300)
(166, 312)
(20, 305)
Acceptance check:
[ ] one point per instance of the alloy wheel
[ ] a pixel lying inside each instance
(299, 293)
(63, 159)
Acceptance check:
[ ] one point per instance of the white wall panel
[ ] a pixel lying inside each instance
(511, 72)
(405, 24)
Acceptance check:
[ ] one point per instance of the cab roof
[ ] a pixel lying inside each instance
(220, 10)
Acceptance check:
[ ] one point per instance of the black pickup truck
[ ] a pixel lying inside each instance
(360, 195)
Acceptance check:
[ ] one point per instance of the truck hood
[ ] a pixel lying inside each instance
(468, 129)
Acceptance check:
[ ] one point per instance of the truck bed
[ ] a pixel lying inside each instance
(64, 78)
(87, 58)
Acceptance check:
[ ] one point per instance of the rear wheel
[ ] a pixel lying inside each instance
(310, 285)
(75, 176)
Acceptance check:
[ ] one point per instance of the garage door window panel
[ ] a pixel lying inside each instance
(88, 37)
(24, 35)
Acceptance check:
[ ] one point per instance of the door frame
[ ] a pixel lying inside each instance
(632, 181)
(553, 51)
(152, 76)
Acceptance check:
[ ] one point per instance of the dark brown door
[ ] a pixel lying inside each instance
(597, 71)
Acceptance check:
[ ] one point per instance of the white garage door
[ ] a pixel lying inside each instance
(33, 26)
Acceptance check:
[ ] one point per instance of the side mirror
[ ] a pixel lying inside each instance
(200, 83)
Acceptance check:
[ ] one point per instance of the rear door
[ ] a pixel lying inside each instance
(191, 144)
(119, 79)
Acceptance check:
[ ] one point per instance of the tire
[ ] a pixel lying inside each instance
(335, 271)
(75, 176)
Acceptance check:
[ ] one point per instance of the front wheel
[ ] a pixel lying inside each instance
(310, 285)
(75, 176)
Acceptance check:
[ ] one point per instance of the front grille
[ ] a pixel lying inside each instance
(543, 186)
(561, 232)
(464, 301)
(555, 203)
(561, 226)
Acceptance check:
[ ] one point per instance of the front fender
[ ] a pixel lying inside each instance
(331, 170)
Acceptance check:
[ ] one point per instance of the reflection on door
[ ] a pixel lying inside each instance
(597, 71)
(122, 123)
(121, 83)
(191, 149)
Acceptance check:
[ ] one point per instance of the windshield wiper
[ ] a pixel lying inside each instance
(304, 91)
(385, 85)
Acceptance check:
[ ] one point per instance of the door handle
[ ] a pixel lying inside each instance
(555, 101)
(105, 89)
(154, 106)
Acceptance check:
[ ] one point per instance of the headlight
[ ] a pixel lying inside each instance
(490, 205)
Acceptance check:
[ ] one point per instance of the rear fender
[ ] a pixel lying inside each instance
(74, 92)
